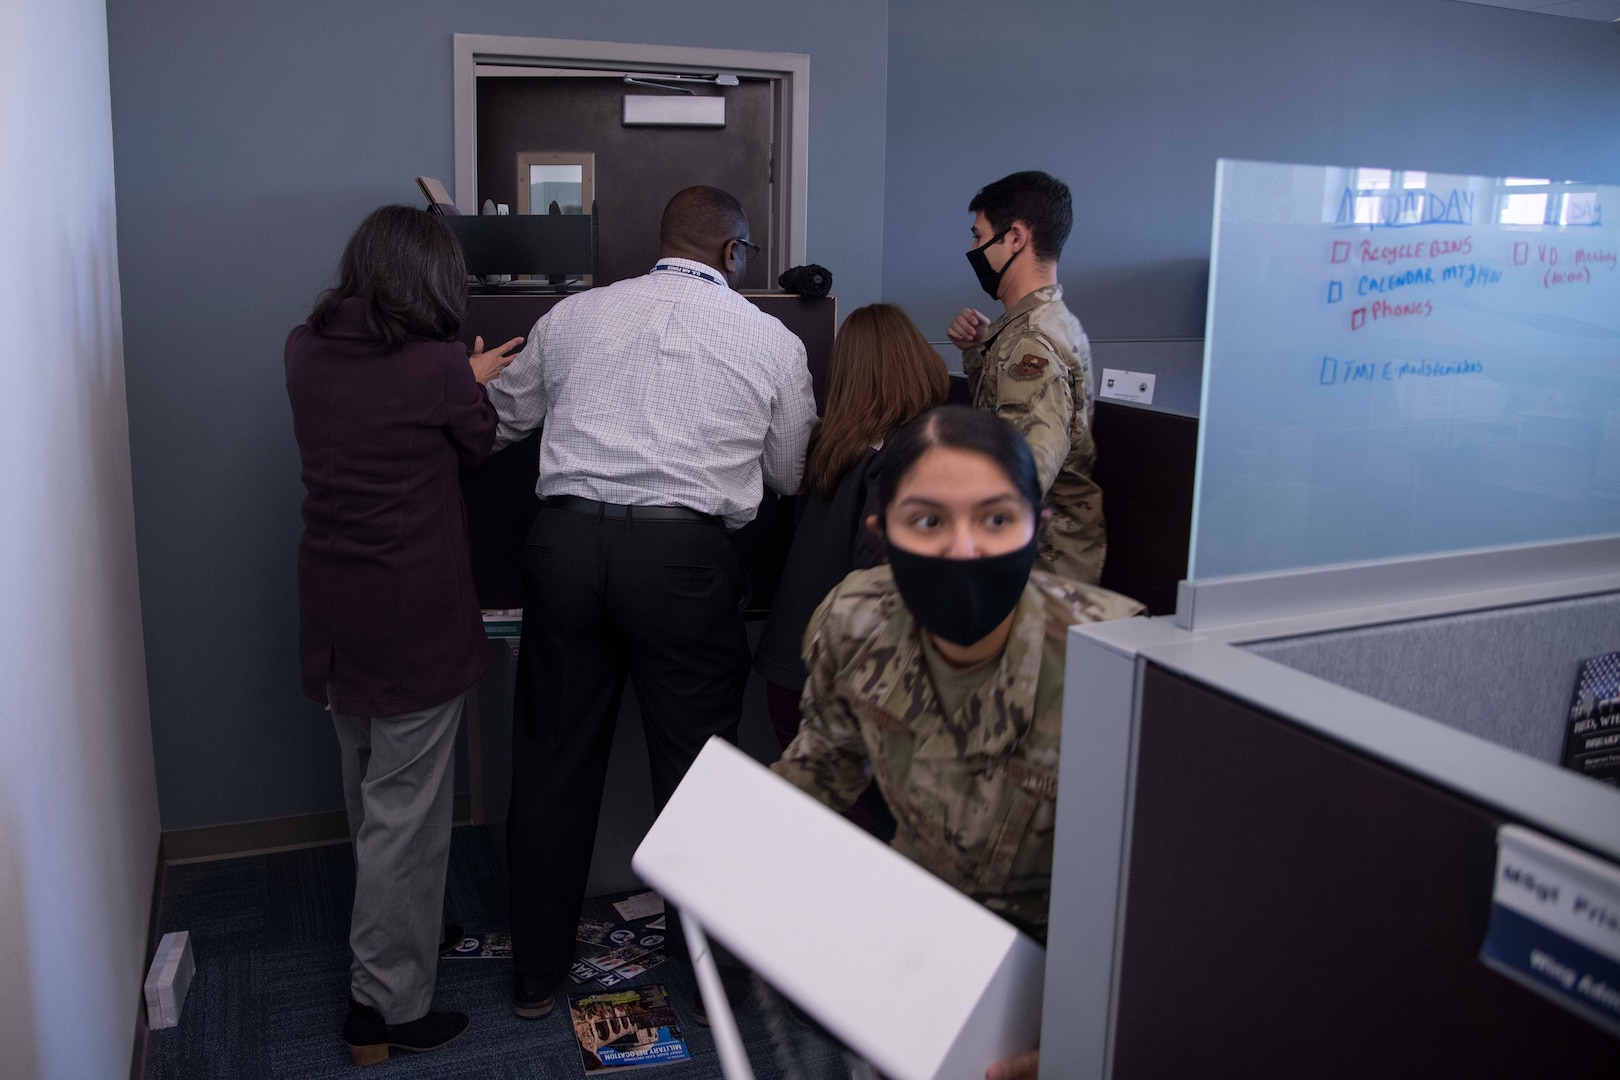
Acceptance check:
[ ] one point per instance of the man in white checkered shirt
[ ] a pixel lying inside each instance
(666, 401)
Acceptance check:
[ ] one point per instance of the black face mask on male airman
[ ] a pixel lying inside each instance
(989, 280)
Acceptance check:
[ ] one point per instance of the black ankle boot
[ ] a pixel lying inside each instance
(369, 1039)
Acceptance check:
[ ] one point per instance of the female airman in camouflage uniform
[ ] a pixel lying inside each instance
(940, 675)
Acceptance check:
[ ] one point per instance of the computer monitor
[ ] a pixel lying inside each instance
(546, 244)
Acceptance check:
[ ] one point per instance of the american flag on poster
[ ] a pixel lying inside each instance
(1592, 746)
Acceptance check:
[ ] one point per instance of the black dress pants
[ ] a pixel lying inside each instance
(606, 598)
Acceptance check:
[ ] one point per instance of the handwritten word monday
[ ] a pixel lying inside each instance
(1404, 209)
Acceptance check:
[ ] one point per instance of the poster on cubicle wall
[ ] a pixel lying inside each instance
(1399, 362)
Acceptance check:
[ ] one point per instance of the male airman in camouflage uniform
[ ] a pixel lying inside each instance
(1033, 365)
(974, 792)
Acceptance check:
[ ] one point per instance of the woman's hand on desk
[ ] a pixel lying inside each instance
(1025, 1066)
(487, 365)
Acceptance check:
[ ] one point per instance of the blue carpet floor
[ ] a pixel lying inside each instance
(270, 935)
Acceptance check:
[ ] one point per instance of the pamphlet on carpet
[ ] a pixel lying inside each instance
(491, 946)
(620, 936)
(626, 1029)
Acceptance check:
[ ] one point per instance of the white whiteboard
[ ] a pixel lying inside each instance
(1399, 362)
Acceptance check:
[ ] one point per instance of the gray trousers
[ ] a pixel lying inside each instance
(398, 785)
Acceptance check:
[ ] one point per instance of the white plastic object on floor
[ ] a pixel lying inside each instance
(168, 980)
(917, 978)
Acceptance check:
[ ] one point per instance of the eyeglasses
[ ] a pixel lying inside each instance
(753, 248)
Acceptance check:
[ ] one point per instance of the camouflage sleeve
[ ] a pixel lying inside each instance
(828, 758)
(973, 368)
(1088, 380)
(1033, 391)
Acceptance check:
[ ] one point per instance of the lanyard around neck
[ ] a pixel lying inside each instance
(688, 271)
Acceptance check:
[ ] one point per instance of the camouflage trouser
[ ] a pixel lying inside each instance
(1074, 545)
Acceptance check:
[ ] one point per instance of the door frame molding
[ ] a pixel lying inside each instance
(470, 51)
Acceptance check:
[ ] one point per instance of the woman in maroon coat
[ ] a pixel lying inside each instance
(386, 406)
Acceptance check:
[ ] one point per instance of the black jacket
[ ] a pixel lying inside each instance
(830, 540)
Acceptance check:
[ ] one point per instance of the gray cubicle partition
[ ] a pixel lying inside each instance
(1504, 674)
(1300, 742)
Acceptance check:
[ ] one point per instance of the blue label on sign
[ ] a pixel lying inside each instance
(1554, 965)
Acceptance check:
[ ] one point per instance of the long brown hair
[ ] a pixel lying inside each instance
(882, 373)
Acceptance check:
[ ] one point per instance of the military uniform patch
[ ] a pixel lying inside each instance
(1030, 367)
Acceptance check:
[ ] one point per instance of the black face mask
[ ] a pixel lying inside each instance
(961, 600)
(989, 280)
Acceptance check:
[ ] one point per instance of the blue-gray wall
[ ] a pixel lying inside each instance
(249, 141)
(1131, 103)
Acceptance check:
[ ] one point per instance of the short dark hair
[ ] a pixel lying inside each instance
(1041, 201)
(405, 267)
(701, 219)
(961, 428)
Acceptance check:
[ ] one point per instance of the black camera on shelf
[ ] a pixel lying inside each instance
(808, 280)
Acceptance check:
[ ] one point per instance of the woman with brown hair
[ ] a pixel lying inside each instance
(881, 375)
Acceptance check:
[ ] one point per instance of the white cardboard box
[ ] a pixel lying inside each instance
(916, 977)
(169, 979)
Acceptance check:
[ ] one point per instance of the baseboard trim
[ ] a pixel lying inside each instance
(241, 838)
(140, 1060)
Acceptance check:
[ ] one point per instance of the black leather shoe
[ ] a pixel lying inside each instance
(369, 1039)
(450, 937)
(530, 998)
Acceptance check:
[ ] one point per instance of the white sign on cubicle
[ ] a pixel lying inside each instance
(1119, 385)
(1400, 362)
(1555, 924)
